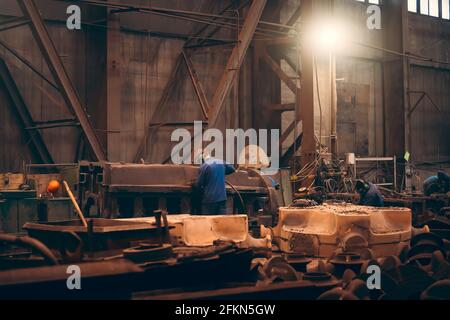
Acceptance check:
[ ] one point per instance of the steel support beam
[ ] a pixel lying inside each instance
(286, 133)
(283, 107)
(13, 24)
(60, 75)
(22, 59)
(406, 75)
(285, 41)
(236, 59)
(197, 34)
(198, 17)
(39, 148)
(279, 72)
(200, 92)
(306, 97)
(164, 96)
(291, 64)
(412, 109)
(290, 153)
(53, 124)
(113, 86)
(396, 85)
(295, 16)
(11, 21)
(395, 78)
(333, 127)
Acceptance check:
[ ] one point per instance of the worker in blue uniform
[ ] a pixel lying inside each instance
(369, 194)
(439, 183)
(211, 182)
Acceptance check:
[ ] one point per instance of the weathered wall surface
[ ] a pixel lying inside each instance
(43, 101)
(148, 62)
(360, 64)
(430, 121)
(356, 65)
(147, 65)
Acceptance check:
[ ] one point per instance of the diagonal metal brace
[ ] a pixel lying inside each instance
(60, 75)
(37, 143)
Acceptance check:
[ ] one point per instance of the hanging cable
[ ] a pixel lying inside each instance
(319, 100)
(239, 196)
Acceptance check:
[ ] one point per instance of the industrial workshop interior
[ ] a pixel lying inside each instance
(225, 150)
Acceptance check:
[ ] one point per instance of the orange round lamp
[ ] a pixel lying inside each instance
(53, 186)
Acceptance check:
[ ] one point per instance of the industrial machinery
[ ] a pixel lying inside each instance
(117, 190)
(23, 198)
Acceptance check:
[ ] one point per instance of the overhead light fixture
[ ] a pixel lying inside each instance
(326, 35)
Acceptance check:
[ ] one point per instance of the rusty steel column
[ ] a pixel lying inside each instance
(235, 60)
(334, 138)
(276, 68)
(113, 86)
(333, 88)
(395, 80)
(60, 75)
(306, 98)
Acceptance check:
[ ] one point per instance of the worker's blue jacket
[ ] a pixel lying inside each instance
(372, 197)
(431, 185)
(211, 180)
(437, 184)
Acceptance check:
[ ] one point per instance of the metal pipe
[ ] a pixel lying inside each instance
(239, 195)
(53, 125)
(28, 242)
(333, 142)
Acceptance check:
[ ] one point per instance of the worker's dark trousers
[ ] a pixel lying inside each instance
(214, 208)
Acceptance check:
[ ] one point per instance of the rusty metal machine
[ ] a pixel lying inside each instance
(160, 243)
(117, 190)
(136, 190)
